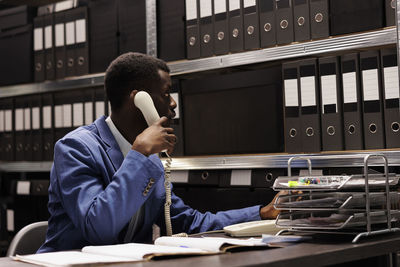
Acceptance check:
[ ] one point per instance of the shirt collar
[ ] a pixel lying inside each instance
(123, 144)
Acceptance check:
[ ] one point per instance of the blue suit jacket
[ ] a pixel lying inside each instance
(94, 192)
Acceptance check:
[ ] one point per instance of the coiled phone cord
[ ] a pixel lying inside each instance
(167, 205)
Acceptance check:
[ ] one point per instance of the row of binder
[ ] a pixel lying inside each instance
(342, 103)
(60, 44)
(217, 27)
(30, 125)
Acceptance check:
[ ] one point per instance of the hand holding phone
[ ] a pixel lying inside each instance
(156, 138)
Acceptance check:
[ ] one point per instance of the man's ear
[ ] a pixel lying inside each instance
(132, 97)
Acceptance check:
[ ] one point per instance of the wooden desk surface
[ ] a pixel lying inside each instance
(321, 251)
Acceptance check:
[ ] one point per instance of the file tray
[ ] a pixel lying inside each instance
(333, 182)
(334, 201)
(333, 220)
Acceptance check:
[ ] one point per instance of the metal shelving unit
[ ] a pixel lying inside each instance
(329, 45)
(382, 37)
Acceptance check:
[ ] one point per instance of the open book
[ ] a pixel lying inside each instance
(132, 252)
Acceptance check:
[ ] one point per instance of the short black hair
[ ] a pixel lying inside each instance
(131, 71)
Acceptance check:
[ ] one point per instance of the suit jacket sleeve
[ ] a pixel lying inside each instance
(100, 209)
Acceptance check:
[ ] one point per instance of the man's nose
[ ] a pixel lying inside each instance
(173, 103)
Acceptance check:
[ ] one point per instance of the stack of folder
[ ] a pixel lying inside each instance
(349, 102)
(30, 125)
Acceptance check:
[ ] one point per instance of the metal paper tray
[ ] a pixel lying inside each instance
(334, 201)
(331, 221)
(335, 182)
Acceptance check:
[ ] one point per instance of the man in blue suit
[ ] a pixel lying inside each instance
(107, 182)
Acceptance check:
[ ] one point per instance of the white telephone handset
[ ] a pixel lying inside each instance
(144, 102)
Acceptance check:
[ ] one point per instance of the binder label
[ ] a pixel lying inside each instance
(88, 113)
(27, 118)
(219, 6)
(370, 84)
(48, 37)
(35, 118)
(349, 87)
(391, 82)
(100, 111)
(67, 115)
(291, 94)
(58, 116)
(249, 3)
(38, 39)
(77, 110)
(308, 91)
(205, 8)
(180, 176)
(10, 220)
(70, 33)
(46, 117)
(59, 35)
(1, 121)
(234, 4)
(328, 91)
(241, 177)
(19, 119)
(175, 96)
(63, 5)
(80, 31)
(191, 9)
(8, 120)
(23, 187)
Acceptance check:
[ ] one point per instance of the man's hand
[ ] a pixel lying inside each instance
(155, 139)
(268, 212)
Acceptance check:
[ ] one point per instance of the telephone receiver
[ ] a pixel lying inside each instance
(144, 102)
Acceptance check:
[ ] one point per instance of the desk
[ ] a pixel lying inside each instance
(318, 252)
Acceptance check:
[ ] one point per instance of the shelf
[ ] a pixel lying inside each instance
(333, 44)
(325, 160)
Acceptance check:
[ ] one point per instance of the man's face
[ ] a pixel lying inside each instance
(161, 96)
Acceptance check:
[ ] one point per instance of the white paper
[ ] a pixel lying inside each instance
(77, 111)
(100, 111)
(234, 4)
(80, 30)
(36, 118)
(180, 177)
(291, 93)
(136, 250)
(175, 96)
(88, 113)
(370, 85)
(328, 91)
(60, 34)
(349, 87)
(63, 5)
(307, 86)
(8, 120)
(67, 115)
(10, 220)
(23, 187)
(38, 39)
(47, 116)
(205, 8)
(48, 37)
(249, 3)
(19, 119)
(27, 118)
(70, 33)
(191, 9)
(58, 116)
(241, 177)
(69, 258)
(219, 6)
(392, 90)
(1, 121)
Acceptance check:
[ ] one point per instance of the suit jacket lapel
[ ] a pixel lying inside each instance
(114, 153)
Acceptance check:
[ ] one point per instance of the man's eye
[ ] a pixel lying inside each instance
(167, 94)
